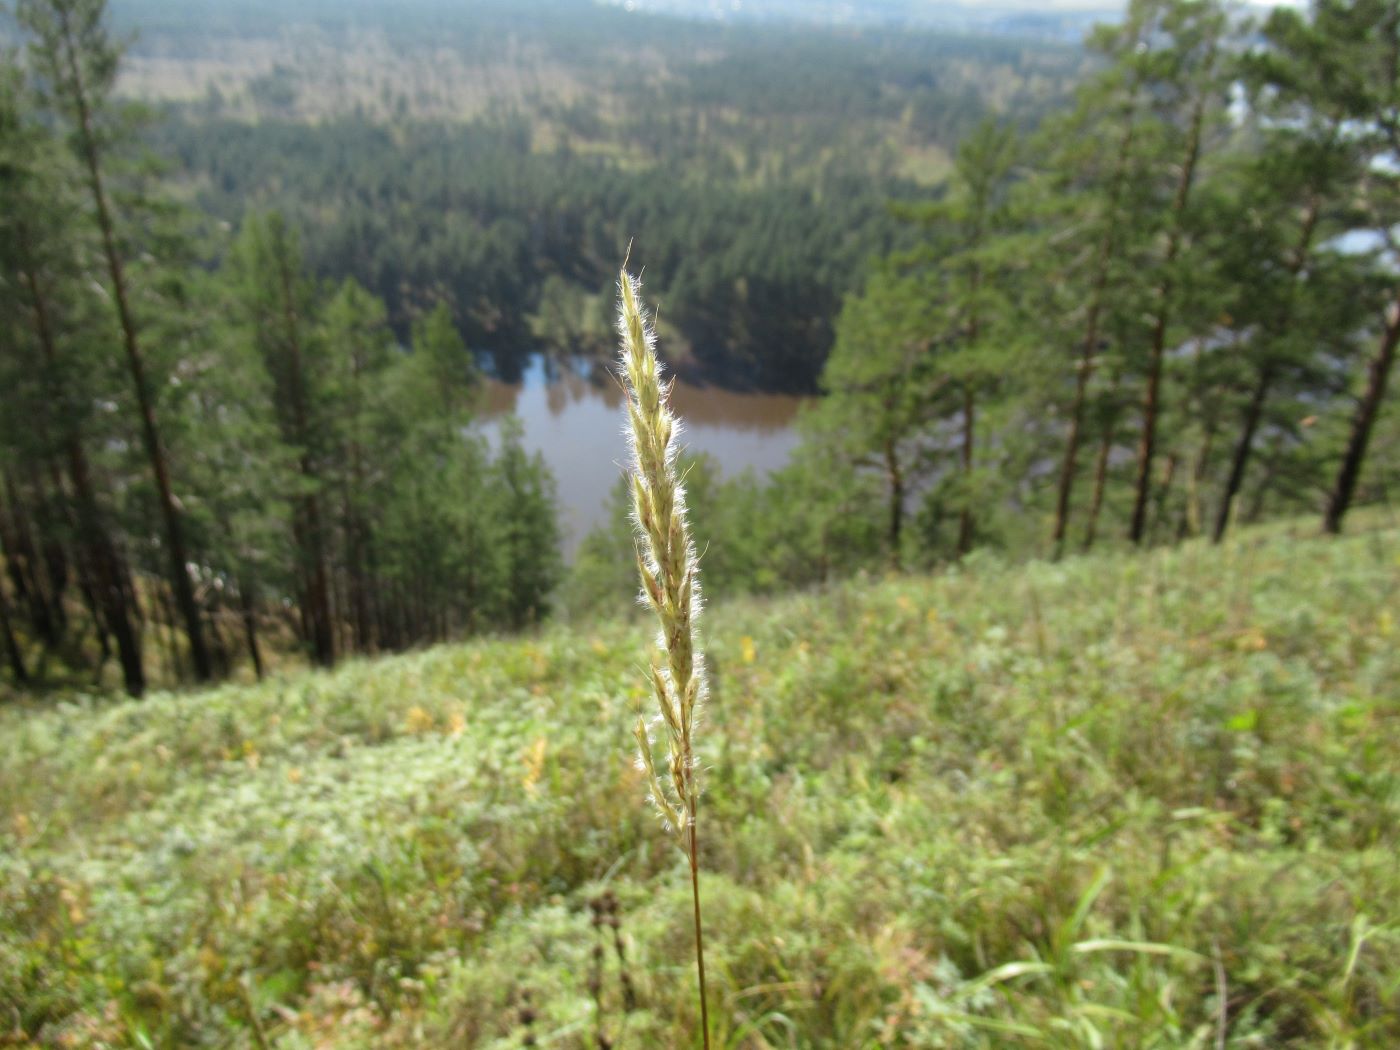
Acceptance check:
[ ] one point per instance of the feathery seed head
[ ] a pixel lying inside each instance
(666, 564)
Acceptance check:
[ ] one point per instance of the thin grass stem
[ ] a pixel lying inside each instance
(670, 577)
(699, 935)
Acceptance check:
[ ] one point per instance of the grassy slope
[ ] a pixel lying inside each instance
(935, 807)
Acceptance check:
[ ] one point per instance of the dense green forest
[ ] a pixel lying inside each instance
(1171, 306)
(751, 168)
(221, 445)
(1051, 296)
(238, 392)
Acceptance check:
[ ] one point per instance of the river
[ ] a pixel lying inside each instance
(572, 413)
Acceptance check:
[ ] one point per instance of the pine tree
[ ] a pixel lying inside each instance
(77, 62)
(1289, 290)
(1089, 198)
(241, 473)
(277, 309)
(441, 357)
(1195, 79)
(526, 532)
(37, 245)
(884, 387)
(1361, 41)
(969, 250)
(1364, 421)
(358, 344)
(13, 653)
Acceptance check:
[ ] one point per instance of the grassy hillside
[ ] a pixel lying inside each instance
(1143, 801)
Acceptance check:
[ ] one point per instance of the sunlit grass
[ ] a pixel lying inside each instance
(1046, 805)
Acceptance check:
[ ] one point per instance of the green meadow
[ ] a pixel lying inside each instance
(1118, 801)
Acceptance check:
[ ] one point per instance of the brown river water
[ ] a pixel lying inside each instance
(572, 412)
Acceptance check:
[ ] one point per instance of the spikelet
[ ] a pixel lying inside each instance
(667, 565)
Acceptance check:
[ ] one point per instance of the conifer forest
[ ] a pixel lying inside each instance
(1034, 444)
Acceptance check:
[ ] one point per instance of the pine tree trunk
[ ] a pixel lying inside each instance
(391, 617)
(155, 452)
(322, 624)
(969, 414)
(302, 620)
(1191, 513)
(1151, 409)
(1271, 467)
(317, 630)
(23, 564)
(250, 625)
(12, 649)
(895, 477)
(1090, 347)
(1255, 411)
(174, 666)
(384, 605)
(357, 532)
(1362, 424)
(108, 572)
(88, 589)
(100, 554)
(312, 539)
(1152, 394)
(49, 522)
(10, 551)
(1163, 493)
(219, 648)
(72, 530)
(417, 623)
(969, 430)
(1100, 483)
(356, 584)
(1254, 414)
(1069, 465)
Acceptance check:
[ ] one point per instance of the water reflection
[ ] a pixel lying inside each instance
(572, 413)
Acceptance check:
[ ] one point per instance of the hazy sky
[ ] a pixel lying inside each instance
(1093, 5)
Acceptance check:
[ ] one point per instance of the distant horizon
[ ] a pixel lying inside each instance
(931, 6)
(946, 13)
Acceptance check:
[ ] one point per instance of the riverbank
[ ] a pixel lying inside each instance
(571, 412)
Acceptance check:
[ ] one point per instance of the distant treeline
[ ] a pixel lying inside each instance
(750, 169)
(525, 246)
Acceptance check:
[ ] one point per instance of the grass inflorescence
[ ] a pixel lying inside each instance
(670, 586)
